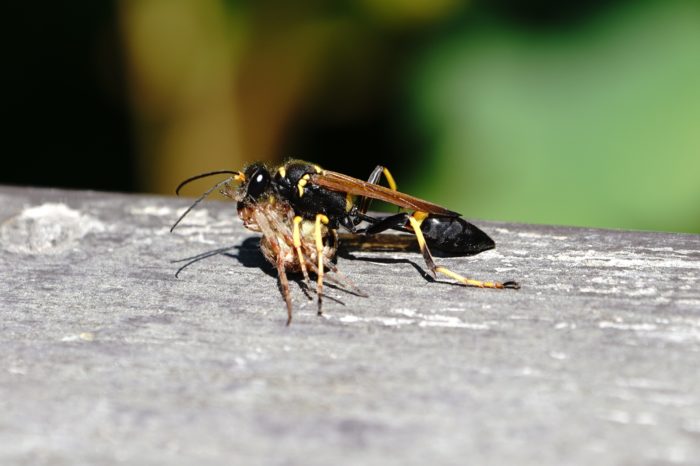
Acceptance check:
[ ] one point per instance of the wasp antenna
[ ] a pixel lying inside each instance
(204, 175)
(200, 198)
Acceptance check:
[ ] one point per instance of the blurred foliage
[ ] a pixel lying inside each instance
(579, 112)
(592, 125)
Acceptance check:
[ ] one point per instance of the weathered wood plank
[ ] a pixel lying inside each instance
(107, 357)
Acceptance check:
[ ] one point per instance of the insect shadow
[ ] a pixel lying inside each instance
(346, 253)
(249, 255)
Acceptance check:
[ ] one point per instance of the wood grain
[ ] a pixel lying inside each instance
(107, 358)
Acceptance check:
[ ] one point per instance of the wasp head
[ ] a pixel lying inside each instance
(255, 181)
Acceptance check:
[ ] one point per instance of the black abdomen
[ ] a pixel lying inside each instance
(455, 236)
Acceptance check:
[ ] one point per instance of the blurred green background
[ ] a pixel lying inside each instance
(579, 113)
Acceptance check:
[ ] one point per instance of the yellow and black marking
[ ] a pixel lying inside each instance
(349, 202)
(302, 183)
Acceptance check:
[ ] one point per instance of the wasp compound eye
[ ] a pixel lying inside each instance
(259, 181)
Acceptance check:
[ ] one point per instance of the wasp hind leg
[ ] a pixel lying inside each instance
(415, 221)
(364, 202)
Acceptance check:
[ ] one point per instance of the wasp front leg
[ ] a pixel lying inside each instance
(318, 236)
(296, 241)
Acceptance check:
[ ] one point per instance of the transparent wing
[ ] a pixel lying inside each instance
(347, 184)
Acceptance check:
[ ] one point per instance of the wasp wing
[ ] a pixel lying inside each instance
(347, 184)
(381, 242)
(398, 242)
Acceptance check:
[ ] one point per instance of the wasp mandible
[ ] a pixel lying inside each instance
(298, 207)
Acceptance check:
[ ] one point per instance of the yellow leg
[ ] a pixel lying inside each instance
(389, 178)
(296, 238)
(415, 220)
(320, 218)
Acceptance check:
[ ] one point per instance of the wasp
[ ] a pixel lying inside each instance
(298, 208)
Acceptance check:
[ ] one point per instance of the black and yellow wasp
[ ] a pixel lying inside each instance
(298, 208)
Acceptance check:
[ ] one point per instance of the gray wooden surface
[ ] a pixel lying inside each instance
(106, 357)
